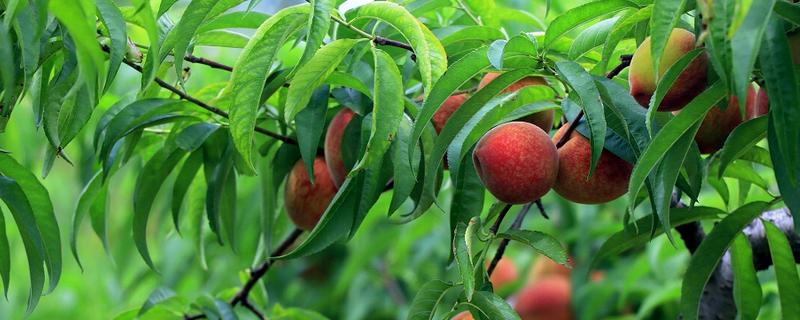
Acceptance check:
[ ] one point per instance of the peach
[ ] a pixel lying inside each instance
(610, 178)
(333, 145)
(718, 123)
(463, 316)
(545, 267)
(548, 298)
(517, 162)
(447, 109)
(306, 202)
(504, 273)
(690, 83)
(543, 119)
(760, 107)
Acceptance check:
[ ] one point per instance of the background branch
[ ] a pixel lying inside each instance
(256, 275)
(200, 103)
(501, 249)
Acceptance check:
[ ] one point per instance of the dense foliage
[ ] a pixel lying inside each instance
(387, 159)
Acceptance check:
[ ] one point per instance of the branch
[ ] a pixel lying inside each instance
(208, 62)
(500, 218)
(198, 102)
(717, 300)
(625, 61)
(255, 275)
(375, 39)
(501, 249)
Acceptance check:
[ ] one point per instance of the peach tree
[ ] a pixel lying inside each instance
(329, 107)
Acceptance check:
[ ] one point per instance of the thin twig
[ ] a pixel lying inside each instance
(501, 249)
(255, 276)
(541, 209)
(500, 218)
(625, 61)
(208, 62)
(375, 39)
(206, 106)
(259, 272)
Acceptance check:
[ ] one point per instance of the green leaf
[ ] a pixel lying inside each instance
(5, 255)
(184, 180)
(457, 75)
(468, 195)
(222, 39)
(387, 110)
(592, 37)
(403, 180)
(790, 193)
(138, 115)
(20, 208)
(667, 175)
(310, 123)
(181, 35)
(785, 271)
(250, 74)
(87, 197)
(746, 289)
(741, 139)
(746, 43)
(621, 30)
(669, 135)
(149, 182)
(780, 80)
(234, 20)
(157, 296)
(631, 237)
(666, 14)
(492, 306)
(461, 250)
(718, 42)
(8, 74)
(666, 82)
(431, 57)
(709, 253)
(479, 34)
(543, 243)
(788, 11)
(314, 73)
(144, 14)
(319, 21)
(81, 27)
(117, 30)
(193, 136)
(424, 305)
(591, 103)
(582, 14)
(42, 208)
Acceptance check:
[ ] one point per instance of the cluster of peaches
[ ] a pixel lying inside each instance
(519, 163)
(546, 294)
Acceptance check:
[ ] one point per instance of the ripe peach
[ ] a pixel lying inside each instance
(444, 112)
(760, 107)
(542, 119)
(545, 268)
(718, 123)
(610, 178)
(548, 298)
(504, 273)
(306, 202)
(643, 79)
(463, 316)
(333, 145)
(517, 162)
